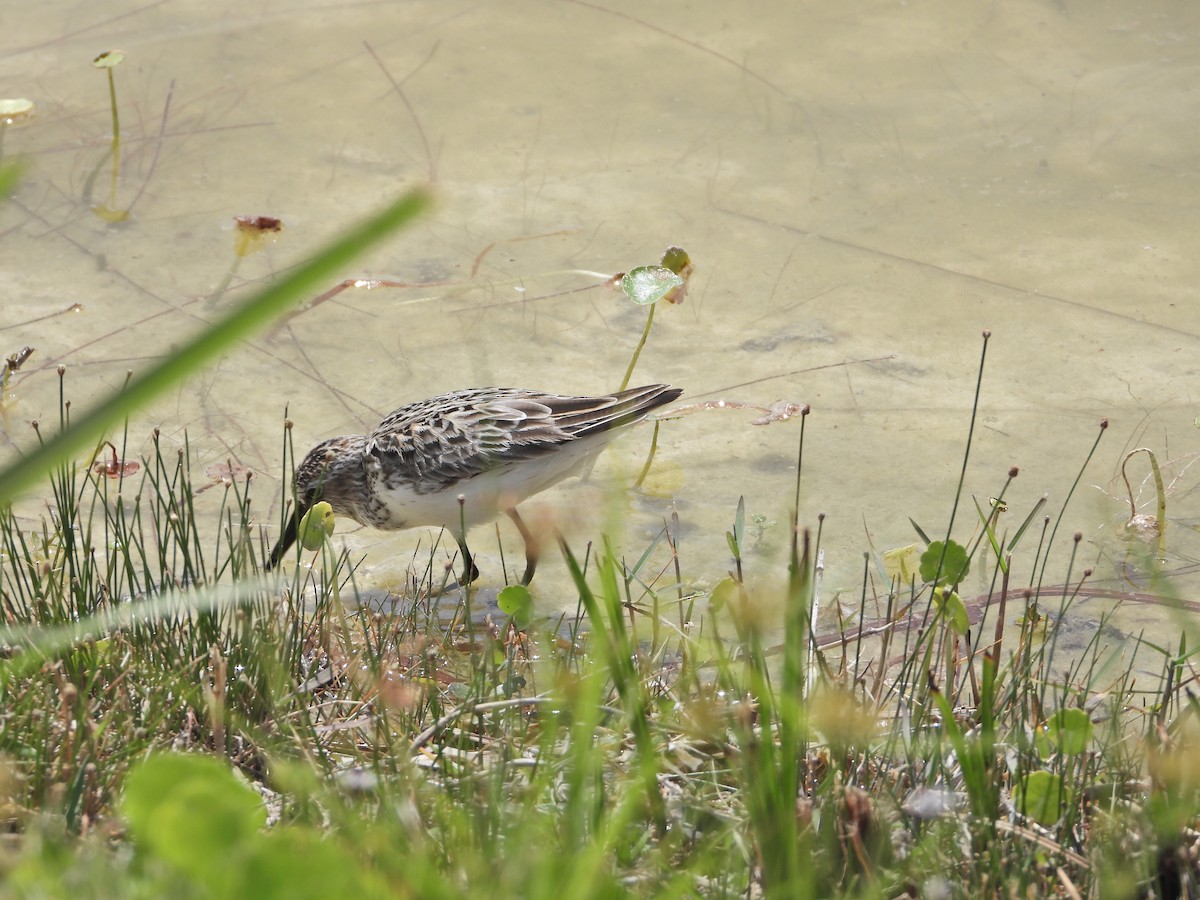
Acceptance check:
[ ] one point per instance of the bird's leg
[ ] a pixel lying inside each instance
(470, 570)
(532, 546)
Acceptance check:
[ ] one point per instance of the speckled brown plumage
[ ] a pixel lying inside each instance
(492, 446)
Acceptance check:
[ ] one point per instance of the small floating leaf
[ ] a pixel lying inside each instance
(953, 568)
(646, 285)
(1068, 731)
(516, 601)
(15, 110)
(1041, 796)
(109, 59)
(902, 563)
(316, 526)
(115, 468)
(254, 232)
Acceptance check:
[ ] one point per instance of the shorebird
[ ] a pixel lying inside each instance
(460, 459)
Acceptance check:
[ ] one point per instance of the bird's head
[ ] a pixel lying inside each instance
(332, 471)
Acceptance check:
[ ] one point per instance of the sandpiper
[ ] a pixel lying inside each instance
(462, 458)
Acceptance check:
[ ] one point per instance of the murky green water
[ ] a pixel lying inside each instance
(864, 190)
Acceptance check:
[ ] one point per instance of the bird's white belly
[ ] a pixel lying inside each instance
(484, 496)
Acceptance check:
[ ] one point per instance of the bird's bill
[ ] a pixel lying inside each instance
(289, 537)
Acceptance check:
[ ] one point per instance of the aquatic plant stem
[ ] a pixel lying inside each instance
(649, 456)
(638, 350)
(116, 139)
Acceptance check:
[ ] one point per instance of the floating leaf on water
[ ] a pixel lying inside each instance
(16, 109)
(902, 563)
(954, 566)
(316, 526)
(516, 601)
(115, 468)
(109, 59)
(1067, 731)
(646, 285)
(254, 233)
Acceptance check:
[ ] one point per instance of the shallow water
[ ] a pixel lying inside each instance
(864, 192)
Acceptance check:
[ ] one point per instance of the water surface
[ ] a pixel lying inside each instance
(864, 190)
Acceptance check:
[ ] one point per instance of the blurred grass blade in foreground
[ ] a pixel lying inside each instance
(243, 321)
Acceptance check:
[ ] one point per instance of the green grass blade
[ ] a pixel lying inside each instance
(1037, 508)
(990, 533)
(251, 316)
(920, 531)
(33, 644)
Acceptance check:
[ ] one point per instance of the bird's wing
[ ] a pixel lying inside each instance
(456, 436)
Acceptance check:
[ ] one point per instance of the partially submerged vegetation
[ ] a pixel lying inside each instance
(244, 736)
(175, 722)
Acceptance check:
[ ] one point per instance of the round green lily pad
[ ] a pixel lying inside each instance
(316, 526)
